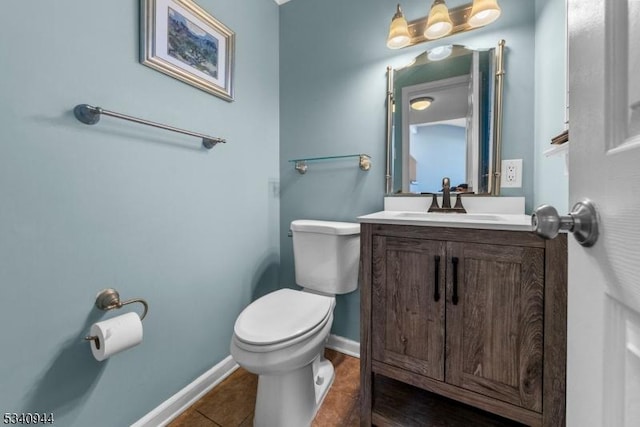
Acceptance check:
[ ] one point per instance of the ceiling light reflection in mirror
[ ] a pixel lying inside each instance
(421, 103)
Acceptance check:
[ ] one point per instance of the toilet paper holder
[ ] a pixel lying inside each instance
(108, 299)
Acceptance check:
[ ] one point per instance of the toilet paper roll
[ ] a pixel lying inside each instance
(115, 335)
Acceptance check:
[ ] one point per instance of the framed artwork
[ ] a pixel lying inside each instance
(182, 40)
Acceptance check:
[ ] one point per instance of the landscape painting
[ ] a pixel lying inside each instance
(191, 44)
(184, 41)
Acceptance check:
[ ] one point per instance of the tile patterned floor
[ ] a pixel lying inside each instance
(231, 403)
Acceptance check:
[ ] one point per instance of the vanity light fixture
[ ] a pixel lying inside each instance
(441, 22)
(421, 103)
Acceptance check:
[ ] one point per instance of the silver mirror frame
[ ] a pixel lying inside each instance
(494, 167)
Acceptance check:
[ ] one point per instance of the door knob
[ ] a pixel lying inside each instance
(582, 221)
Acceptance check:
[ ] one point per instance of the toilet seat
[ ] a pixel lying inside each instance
(282, 316)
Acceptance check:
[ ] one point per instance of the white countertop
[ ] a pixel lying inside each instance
(486, 221)
(473, 204)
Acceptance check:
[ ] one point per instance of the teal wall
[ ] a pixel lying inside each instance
(148, 212)
(333, 61)
(551, 184)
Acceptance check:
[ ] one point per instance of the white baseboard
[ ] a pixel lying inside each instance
(344, 345)
(179, 402)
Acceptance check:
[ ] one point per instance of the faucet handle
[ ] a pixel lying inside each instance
(446, 182)
(434, 203)
(458, 205)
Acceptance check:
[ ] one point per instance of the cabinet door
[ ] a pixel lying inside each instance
(408, 304)
(495, 330)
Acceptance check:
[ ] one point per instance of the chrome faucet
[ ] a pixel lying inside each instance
(446, 200)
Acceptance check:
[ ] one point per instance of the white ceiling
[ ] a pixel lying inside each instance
(448, 103)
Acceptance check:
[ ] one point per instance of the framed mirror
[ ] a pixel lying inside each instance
(444, 119)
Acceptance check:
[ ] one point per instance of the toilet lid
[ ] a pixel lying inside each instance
(281, 315)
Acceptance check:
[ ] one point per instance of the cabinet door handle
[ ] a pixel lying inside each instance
(454, 298)
(436, 285)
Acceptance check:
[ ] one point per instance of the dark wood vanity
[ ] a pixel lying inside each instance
(464, 325)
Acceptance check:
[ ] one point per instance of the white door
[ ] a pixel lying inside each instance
(603, 369)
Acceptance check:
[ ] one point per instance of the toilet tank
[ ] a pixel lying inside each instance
(326, 255)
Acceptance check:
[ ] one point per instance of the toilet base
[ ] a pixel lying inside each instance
(291, 399)
(323, 376)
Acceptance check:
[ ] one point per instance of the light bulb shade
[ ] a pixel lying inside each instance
(421, 103)
(483, 12)
(398, 31)
(439, 23)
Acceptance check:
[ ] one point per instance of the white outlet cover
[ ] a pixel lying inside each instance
(511, 173)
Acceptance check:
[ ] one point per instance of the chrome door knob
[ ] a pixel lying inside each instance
(582, 221)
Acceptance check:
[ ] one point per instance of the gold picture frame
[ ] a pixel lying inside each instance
(182, 40)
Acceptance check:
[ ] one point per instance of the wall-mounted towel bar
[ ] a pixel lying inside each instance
(90, 115)
(364, 161)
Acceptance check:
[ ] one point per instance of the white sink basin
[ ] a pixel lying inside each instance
(488, 221)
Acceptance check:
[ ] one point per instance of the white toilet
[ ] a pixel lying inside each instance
(281, 336)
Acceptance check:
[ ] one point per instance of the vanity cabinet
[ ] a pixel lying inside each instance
(476, 316)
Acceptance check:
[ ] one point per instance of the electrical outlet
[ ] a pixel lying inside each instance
(511, 173)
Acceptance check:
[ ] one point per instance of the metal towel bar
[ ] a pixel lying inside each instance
(90, 115)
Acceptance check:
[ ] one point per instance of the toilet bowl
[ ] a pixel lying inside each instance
(293, 378)
(281, 336)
